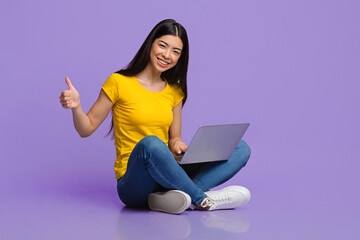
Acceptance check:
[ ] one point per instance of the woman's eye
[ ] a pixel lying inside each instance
(162, 45)
(176, 52)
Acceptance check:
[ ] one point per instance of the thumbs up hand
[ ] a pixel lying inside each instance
(70, 98)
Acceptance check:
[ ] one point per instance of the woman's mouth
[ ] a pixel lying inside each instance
(162, 63)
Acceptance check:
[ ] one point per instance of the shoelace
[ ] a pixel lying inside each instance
(210, 203)
(222, 199)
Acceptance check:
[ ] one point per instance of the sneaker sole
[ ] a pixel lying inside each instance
(173, 201)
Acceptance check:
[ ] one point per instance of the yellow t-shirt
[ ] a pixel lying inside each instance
(137, 113)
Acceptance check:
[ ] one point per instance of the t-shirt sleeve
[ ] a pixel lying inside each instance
(111, 88)
(178, 95)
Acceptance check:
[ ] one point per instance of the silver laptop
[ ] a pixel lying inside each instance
(213, 143)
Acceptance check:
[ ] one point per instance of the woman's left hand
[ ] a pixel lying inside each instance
(178, 146)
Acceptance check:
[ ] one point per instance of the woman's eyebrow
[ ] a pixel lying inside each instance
(168, 45)
(164, 42)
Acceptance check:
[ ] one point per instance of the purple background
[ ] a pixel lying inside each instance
(290, 68)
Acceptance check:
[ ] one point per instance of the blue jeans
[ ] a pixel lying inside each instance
(152, 168)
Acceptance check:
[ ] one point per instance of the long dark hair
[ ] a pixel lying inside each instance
(176, 74)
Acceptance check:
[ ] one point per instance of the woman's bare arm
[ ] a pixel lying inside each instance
(85, 124)
(176, 145)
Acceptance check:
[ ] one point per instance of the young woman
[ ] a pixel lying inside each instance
(146, 99)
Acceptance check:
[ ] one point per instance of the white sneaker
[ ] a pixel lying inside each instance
(172, 201)
(240, 189)
(226, 198)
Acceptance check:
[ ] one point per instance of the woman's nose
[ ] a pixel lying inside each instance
(166, 54)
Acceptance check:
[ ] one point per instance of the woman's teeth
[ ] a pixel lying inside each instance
(162, 62)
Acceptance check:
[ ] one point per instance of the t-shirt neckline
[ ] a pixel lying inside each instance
(163, 90)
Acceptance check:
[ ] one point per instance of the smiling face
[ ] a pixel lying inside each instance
(165, 52)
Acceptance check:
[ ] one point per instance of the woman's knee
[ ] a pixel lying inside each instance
(151, 143)
(153, 149)
(244, 152)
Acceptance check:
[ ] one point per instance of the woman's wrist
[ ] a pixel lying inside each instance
(173, 141)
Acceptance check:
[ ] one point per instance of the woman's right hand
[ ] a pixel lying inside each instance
(70, 98)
